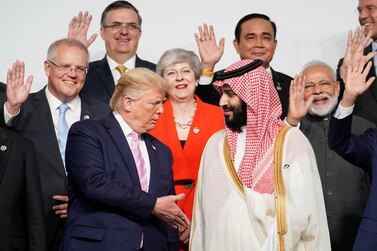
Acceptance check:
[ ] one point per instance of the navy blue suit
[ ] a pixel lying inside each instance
(360, 150)
(99, 83)
(108, 209)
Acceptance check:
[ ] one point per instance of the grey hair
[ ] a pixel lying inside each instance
(319, 63)
(51, 52)
(176, 56)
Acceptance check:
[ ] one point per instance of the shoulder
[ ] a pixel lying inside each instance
(98, 105)
(97, 62)
(144, 63)
(359, 125)
(295, 141)
(216, 139)
(87, 126)
(281, 76)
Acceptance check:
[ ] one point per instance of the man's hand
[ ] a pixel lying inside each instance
(78, 28)
(298, 106)
(17, 89)
(355, 81)
(184, 235)
(210, 52)
(167, 210)
(355, 47)
(62, 209)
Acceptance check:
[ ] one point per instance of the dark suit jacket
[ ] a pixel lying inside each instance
(108, 210)
(35, 123)
(21, 206)
(360, 150)
(345, 186)
(99, 83)
(3, 97)
(208, 94)
(366, 103)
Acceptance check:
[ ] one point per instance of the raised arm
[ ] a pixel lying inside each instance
(79, 26)
(210, 52)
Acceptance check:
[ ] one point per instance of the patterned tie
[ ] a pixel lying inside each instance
(139, 161)
(122, 69)
(62, 131)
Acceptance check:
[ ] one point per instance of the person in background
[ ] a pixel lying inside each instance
(255, 37)
(121, 31)
(45, 117)
(187, 122)
(345, 186)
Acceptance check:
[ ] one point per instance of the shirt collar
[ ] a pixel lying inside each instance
(123, 124)
(130, 64)
(54, 102)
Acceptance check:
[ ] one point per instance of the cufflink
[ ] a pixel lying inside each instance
(3, 148)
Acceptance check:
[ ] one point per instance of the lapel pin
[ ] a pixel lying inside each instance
(286, 166)
(3, 148)
(196, 130)
(154, 148)
(86, 117)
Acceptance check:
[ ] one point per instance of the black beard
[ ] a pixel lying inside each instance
(239, 117)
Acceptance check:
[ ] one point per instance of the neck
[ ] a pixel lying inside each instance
(121, 58)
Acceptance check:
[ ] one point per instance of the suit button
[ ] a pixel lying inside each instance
(329, 193)
(328, 174)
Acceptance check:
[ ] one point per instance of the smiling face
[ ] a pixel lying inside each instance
(257, 41)
(124, 41)
(181, 81)
(321, 83)
(368, 16)
(62, 84)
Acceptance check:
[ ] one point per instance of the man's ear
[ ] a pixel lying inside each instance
(235, 45)
(127, 103)
(337, 87)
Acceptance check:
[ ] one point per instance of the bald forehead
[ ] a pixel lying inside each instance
(319, 70)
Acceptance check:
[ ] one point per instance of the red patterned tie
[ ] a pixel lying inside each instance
(139, 161)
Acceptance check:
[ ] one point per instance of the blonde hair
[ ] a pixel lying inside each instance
(134, 83)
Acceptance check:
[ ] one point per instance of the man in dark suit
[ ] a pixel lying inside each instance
(360, 150)
(255, 38)
(368, 20)
(38, 117)
(345, 186)
(21, 206)
(121, 31)
(120, 178)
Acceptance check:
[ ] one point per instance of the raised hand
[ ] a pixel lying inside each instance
(355, 46)
(17, 89)
(298, 106)
(210, 52)
(355, 80)
(79, 26)
(167, 210)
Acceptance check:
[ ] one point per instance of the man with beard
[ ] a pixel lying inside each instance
(345, 186)
(253, 193)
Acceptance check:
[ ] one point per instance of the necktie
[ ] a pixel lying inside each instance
(62, 130)
(122, 69)
(139, 161)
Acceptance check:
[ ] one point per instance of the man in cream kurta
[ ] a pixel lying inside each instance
(235, 204)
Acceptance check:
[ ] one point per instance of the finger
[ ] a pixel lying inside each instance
(63, 216)
(222, 44)
(212, 33)
(366, 70)
(370, 55)
(60, 207)
(63, 198)
(29, 82)
(206, 32)
(59, 212)
(370, 81)
(180, 196)
(309, 102)
(201, 35)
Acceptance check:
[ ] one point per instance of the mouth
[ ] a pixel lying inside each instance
(181, 86)
(69, 82)
(320, 101)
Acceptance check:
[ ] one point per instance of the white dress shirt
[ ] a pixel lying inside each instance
(130, 64)
(342, 112)
(127, 130)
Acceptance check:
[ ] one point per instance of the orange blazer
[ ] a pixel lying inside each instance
(207, 120)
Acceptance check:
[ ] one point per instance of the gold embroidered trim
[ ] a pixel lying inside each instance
(280, 205)
(230, 166)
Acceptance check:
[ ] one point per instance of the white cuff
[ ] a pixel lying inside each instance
(204, 80)
(7, 116)
(342, 112)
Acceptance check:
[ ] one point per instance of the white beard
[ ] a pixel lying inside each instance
(325, 109)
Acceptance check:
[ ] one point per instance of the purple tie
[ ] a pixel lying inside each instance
(139, 161)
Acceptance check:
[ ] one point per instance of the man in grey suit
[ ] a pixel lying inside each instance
(345, 186)
(40, 118)
(121, 32)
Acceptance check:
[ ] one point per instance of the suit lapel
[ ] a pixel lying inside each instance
(5, 148)
(154, 162)
(41, 105)
(85, 109)
(373, 88)
(120, 140)
(104, 72)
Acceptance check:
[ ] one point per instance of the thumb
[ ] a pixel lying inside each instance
(180, 196)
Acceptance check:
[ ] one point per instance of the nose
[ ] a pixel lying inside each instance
(363, 13)
(223, 100)
(179, 76)
(160, 109)
(123, 29)
(317, 89)
(72, 72)
(258, 41)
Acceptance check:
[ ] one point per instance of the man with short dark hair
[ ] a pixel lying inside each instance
(45, 117)
(254, 38)
(121, 31)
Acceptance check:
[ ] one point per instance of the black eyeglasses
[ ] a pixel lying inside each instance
(68, 68)
(116, 26)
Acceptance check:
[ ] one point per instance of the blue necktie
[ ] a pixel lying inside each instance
(62, 130)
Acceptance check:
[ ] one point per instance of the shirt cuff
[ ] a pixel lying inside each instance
(342, 112)
(285, 121)
(7, 116)
(205, 80)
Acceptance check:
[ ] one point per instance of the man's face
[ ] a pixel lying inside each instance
(120, 39)
(145, 111)
(257, 41)
(321, 83)
(368, 16)
(234, 109)
(66, 73)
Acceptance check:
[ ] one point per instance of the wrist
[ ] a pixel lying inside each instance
(207, 72)
(348, 99)
(12, 109)
(208, 65)
(292, 121)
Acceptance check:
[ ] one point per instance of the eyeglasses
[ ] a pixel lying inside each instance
(68, 68)
(368, 9)
(324, 84)
(116, 26)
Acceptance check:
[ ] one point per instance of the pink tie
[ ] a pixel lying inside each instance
(139, 161)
